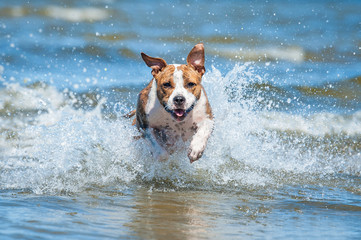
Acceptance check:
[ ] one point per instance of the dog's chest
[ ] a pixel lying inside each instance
(170, 129)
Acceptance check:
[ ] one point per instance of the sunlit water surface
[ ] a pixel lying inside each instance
(284, 159)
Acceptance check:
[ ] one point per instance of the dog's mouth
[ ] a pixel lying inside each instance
(179, 114)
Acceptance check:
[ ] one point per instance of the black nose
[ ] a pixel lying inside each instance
(179, 100)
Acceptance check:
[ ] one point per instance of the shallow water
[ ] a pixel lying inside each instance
(284, 160)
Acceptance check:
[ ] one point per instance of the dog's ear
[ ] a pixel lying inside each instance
(157, 64)
(196, 58)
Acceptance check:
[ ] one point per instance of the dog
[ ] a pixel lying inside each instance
(174, 106)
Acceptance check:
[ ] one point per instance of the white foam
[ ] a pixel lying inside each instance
(23, 98)
(77, 14)
(319, 124)
(83, 14)
(67, 149)
(292, 54)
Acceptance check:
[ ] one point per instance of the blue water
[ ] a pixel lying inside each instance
(283, 79)
(49, 46)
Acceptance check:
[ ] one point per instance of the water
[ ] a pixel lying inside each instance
(284, 160)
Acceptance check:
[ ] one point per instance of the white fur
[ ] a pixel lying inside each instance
(157, 116)
(152, 99)
(205, 127)
(179, 90)
(161, 120)
(199, 140)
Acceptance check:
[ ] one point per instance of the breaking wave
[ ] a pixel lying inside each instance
(49, 143)
(84, 14)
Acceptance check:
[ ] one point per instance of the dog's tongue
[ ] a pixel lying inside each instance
(179, 112)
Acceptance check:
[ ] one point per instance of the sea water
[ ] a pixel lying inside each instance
(283, 161)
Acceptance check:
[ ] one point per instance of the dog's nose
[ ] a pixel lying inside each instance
(179, 100)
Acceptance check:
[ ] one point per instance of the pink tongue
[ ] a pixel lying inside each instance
(179, 112)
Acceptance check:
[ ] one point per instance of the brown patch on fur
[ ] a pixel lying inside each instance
(196, 58)
(131, 114)
(192, 80)
(157, 64)
(141, 118)
(165, 84)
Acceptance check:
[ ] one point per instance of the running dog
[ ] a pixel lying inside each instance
(174, 106)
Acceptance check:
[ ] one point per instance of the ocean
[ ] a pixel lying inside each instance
(284, 82)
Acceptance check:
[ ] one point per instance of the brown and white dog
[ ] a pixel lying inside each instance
(174, 106)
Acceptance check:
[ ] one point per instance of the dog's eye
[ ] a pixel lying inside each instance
(191, 84)
(167, 85)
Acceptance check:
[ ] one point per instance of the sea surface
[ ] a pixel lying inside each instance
(283, 79)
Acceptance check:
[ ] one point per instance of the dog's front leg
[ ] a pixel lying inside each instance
(157, 150)
(199, 140)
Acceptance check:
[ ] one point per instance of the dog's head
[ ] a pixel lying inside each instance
(178, 86)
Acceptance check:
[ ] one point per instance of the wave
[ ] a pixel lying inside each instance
(51, 143)
(348, 89)
(320, 124)
(84, 14)
(292, 54)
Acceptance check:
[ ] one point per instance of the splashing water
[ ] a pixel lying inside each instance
(49, 146)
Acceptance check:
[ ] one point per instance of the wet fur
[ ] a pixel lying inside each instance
(156, 102)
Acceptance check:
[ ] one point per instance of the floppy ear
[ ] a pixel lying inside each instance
(196, 58)
(157, 64)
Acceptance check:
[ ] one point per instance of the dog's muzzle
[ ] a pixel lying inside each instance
(179, 113)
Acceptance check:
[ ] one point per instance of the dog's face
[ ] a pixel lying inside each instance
(178, 86)
(178, 89)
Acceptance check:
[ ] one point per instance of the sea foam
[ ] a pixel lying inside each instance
(57, 148)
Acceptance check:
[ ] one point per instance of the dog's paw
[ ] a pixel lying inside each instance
(195, 152)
